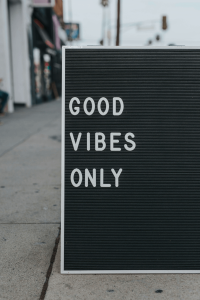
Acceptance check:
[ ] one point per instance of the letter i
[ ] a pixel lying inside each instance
(88, 141)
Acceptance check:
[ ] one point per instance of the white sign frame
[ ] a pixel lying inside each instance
(64, 48)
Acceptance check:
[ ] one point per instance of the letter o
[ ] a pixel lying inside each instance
(80, 178)
(89, 113)
(99, 106)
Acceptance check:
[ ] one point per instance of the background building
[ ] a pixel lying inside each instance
(30, 50)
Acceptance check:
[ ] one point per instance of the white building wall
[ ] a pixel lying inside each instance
(5, 63)
(19, 16)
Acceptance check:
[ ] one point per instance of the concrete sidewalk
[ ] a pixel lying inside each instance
(30, 220)
(122, 287)
(30, 198)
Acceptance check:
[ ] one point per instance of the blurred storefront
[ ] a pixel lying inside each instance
(31, 36)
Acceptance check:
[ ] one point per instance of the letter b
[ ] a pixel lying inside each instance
(99, 140)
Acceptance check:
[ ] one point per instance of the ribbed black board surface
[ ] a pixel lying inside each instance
(152, 220)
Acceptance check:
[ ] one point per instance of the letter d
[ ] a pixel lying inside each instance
(115, 113)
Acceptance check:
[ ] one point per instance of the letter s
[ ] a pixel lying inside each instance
(129, 141)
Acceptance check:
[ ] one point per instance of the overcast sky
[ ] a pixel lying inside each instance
(183, 21)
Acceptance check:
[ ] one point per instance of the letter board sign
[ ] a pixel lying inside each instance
(130, 160)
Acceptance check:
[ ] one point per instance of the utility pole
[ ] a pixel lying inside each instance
(118, 22)
(164, 22)
(70, 19)
(104, 4)
(164, 26)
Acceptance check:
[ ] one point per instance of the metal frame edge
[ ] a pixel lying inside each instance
(63, 168)
(63, 161)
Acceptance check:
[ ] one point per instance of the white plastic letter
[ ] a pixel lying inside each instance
(91, 177)
(99, 106)
(100, 141)
(80, 178)
(116, 176)
(129, 141)
(115, 113)
(75, 144)
(76, 109)
(102, 184)
(88, 141)
(89, 113)
(113, 141)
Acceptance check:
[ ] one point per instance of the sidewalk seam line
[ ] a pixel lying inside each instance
(50, 268)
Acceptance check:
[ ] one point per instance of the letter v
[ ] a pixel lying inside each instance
(75, 144)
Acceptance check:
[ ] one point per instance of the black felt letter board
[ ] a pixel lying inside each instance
(151, 220)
